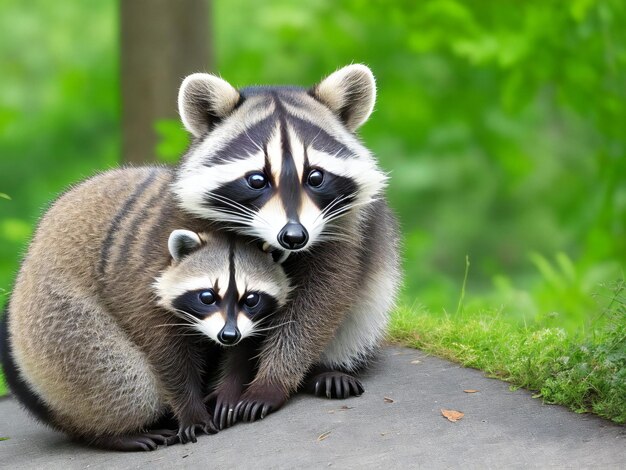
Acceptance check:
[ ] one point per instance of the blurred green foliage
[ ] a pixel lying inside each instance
(501, 123)
(59, 118)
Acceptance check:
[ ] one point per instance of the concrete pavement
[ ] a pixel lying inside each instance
(397, 423)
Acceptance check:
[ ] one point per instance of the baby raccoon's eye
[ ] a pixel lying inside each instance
(252, 300)
(315, 178)
(257, 180)
(207, 297)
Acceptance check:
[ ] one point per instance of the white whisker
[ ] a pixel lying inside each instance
(238, 207)
(234, 204)
(260, 330)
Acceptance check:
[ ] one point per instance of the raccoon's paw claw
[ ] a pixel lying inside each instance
(335, 384)
(223, 410)
(145, 441)
(254, 410)
(187, 432)
(258, 401)
(222, 403)
(165, 437)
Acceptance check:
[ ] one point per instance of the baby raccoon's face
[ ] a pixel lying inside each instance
(223, 288)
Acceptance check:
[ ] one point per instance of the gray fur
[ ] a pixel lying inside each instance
(347, 276)
(85, 329)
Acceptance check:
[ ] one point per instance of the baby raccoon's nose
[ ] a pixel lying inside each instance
(229, 335)
(293, 236)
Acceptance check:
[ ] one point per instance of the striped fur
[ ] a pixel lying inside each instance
(97, 347)
(250, 171)
(284, 133)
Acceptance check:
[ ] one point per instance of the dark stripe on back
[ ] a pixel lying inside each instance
(137, 222)
(117, 221)
(152, 246)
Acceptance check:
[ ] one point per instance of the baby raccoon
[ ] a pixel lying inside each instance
(105, 336)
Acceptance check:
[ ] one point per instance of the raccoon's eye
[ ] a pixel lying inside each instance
(252, 300)
(315, 178)
(257, 181)
(207, 297)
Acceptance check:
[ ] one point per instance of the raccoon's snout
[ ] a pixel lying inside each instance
(293, 236)
(229, 335)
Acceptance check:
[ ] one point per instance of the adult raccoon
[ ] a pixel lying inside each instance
(283, 164)
(107, 335)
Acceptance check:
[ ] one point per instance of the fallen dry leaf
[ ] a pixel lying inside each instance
(387, 400)
(345, 407)
(323, 436)
(469, 390)
(452, 415)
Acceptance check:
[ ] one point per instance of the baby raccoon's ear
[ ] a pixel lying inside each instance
(350, 93)
(183, 242)
(204, 100)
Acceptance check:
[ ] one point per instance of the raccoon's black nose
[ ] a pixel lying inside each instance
(293, 236)
(229, 335)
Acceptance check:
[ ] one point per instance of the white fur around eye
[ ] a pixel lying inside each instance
(194, 184)
(171, 284)
(370, 179)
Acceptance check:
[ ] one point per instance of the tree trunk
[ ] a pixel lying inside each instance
(162, 41)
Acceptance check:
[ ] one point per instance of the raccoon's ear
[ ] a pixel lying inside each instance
(350, 93)
(183, 242)
(203, 100)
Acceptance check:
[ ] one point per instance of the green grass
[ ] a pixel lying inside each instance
(585, 372)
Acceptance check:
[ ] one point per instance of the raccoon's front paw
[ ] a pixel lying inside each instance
(334, 384)
(259, 400)
(187, 428)
(222, 403)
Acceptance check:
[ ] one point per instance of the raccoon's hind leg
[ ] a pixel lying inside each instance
(75, 357)
(163, 432)
(144, 441)
(323, 381)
